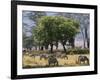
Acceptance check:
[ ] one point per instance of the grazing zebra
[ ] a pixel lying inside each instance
(52, 61)
(83, 59)
(43, 57)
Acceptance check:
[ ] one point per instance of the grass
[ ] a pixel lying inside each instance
(31, 62)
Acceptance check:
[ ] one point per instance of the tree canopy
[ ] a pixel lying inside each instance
(52, 29)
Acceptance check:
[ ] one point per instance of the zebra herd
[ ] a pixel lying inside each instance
(53, 58)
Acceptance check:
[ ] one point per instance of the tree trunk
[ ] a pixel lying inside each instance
(72, 43)
(83, 40)
(39, 47)
(86, 35)
(64, 47)
(82, 31)
(84, 43)
(88, 43)
(46, 47)
(35, 47)
(56, 45)
(51, 50)
(42, 48)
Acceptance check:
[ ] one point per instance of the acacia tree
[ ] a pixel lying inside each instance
(68, 30)
(75, 24)
(53, 29)
(84, 26)
(46, 30)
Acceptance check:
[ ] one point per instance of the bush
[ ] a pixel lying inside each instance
(78, 51)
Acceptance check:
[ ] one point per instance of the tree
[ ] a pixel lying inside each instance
(84, 26)
(32, 16)
(27, 40)
(54, 29)
(46, 31)
(68, 30)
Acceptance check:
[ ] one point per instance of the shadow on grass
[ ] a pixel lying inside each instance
(47, 66)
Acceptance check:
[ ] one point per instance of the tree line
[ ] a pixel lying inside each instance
(54, 29)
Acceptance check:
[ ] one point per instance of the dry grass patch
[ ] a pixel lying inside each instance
(31, 62)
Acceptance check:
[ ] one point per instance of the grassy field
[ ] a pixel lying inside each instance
(31, 62)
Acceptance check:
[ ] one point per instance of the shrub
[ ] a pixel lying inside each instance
(78, 51)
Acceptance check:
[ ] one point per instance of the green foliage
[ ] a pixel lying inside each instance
(52, 28)
(78, 51)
